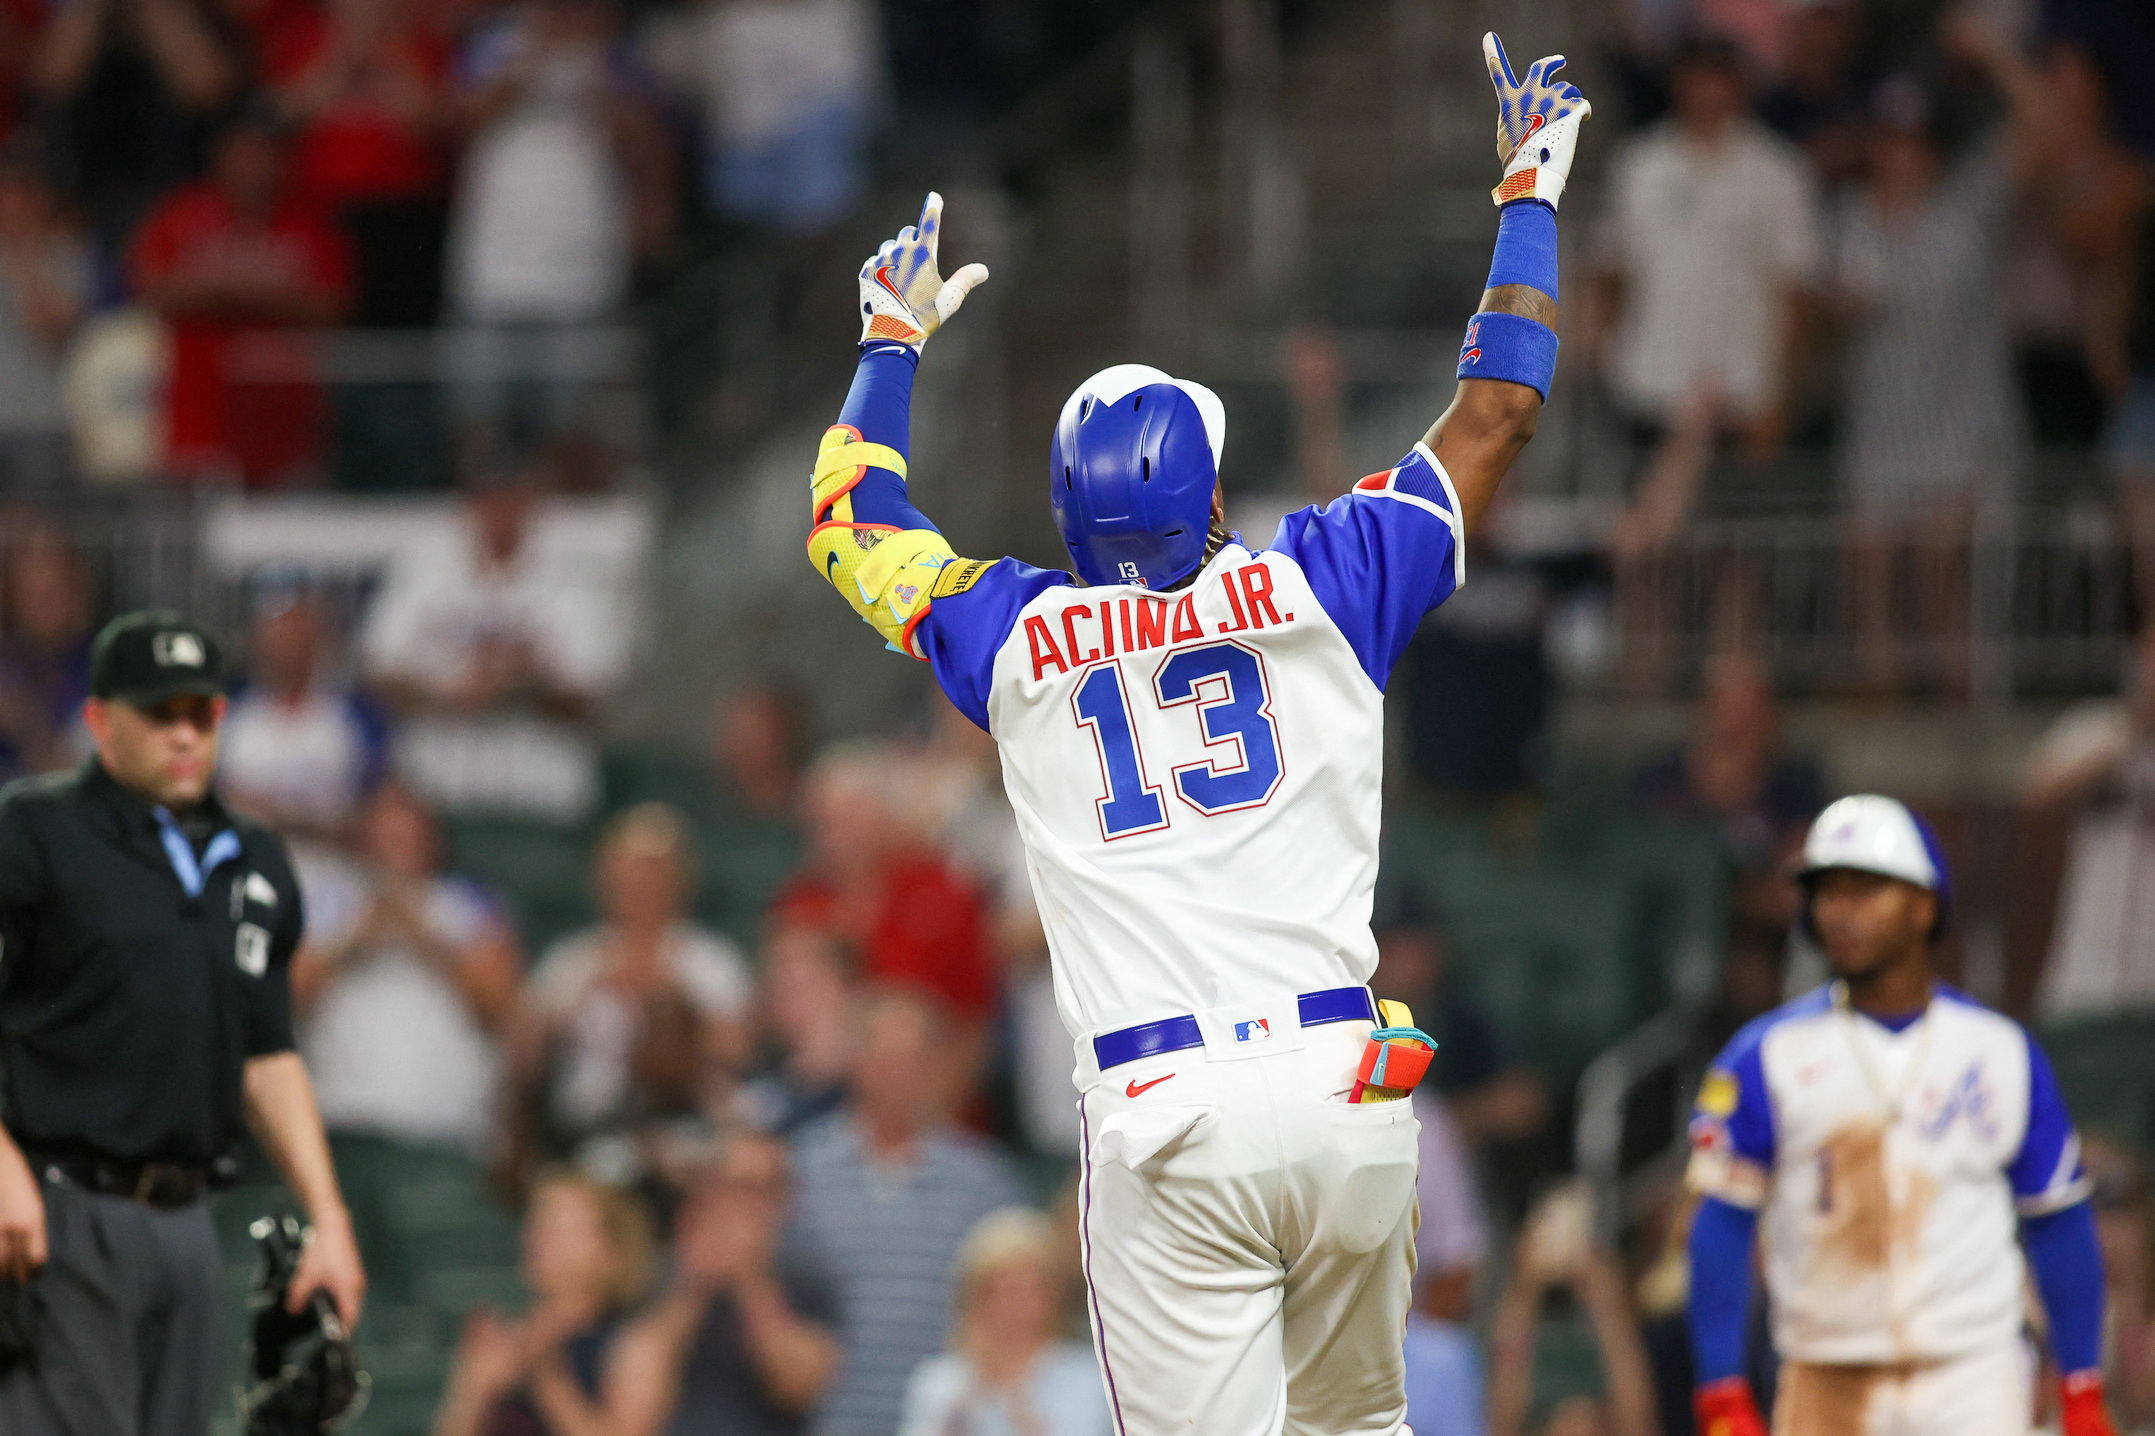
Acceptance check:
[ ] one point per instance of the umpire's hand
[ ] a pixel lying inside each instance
(330, 1264)
(22, 1216)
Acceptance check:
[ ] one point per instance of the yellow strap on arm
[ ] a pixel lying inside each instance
(840, 462)
(885, 575)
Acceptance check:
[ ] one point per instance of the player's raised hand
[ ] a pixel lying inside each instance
(904, 297)
(1538, 121)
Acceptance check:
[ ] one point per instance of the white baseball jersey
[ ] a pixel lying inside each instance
(1196, 773)
(1889, 1164)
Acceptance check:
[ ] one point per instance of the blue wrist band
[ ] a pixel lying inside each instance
(1511, 347)
(1526, 247)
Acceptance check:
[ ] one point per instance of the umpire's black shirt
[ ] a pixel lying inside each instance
(128, 1008)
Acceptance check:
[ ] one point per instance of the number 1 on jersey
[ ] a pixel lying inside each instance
(1132, 805)
(1226, 683)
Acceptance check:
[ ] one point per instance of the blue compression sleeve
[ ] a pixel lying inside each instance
(1526, 247)
(1512, 347)
(880, 407)
(2068, 1264)
(1720, 1288)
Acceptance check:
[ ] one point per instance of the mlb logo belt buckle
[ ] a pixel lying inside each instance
(1177, 1034)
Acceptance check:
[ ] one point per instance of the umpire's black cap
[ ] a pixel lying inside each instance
(145, 657)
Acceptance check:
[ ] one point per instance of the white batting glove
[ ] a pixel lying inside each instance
(903, 298)
(1538, 123)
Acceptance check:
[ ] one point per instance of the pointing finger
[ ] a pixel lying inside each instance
(1498, 63)
(930, 227)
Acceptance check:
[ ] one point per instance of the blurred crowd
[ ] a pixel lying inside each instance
(193, 191)
(790, 1125)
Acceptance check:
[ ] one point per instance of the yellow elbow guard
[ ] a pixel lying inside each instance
(885, 573)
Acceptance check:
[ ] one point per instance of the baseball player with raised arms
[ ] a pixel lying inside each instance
(1191, 734)
(1894, 1147)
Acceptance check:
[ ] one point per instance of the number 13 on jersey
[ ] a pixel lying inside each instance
(1225, 685)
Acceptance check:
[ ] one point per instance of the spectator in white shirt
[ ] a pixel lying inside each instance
(45, 286)
(301, 745)
(567, 181)
(642, 1018)
(493, 636)
(2097, 764)
(1009, 1370)
(1710, 247)
(403, 986)
(786, 88)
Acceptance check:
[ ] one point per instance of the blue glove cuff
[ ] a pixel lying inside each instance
(1526, 247)
(1510, 347)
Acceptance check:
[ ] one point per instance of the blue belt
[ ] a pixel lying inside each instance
(1175, 1034)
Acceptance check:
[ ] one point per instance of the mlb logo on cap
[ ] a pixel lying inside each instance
(178, 649)
(1255, 1030)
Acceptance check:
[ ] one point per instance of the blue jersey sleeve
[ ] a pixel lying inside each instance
(1720, 1298)
(1732, 1137)
(1380, 556)
(2046, 1174)
(972, 610)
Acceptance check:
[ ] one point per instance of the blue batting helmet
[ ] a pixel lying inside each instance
(1132, 467)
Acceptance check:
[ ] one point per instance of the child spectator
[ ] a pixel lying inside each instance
(45, 283)
(587, 1264)
(301, 745)
(234, 265)
(604, 1003)
(1010, 1370)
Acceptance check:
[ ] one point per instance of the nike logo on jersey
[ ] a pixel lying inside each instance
(1139, 1089)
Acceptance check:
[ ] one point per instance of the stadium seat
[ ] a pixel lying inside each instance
(2106, 1071)
(542, 871)
(1583, 932)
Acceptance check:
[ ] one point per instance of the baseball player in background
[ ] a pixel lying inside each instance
(1192, 738)
(1895, 1145)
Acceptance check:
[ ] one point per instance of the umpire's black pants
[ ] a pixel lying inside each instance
(125, 1316)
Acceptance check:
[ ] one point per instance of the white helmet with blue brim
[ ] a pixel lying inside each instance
(1873, 834)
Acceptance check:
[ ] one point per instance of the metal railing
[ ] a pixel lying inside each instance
(2036, 603)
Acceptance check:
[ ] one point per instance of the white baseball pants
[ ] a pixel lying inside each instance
(1248, 1239)
(1990, 1393)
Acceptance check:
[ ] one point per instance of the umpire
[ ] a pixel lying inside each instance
(145, 1013)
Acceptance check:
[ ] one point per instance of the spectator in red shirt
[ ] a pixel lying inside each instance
(236, 264)
(366, 84)
(884, 889)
